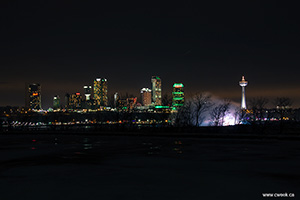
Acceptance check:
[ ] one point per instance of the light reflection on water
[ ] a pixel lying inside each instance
(87, 144)
(94, 146)
(178, 146)
(157, 149)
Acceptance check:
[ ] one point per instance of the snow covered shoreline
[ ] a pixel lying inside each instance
(37, 166)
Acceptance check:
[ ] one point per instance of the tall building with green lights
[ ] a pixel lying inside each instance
(178, 95)
(100, 92)
(33, 96)
(156, 90)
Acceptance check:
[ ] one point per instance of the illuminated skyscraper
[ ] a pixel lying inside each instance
(146, 96)
(87, 92)
(33, 96)
(243, 84)
(156, 90)
(67, 98)
(56, 102)
(100, 92)
(131, 103)
(178, 95)
(116, 100)
(75, 101)
(87, 102)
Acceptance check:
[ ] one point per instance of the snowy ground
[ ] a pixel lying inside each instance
(131, 167)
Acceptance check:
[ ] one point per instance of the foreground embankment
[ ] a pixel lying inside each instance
(227, 132)
(67, 166)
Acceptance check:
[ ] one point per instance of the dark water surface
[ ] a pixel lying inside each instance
(139, 167)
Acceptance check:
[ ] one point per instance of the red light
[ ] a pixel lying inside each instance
(78, 93)
(33, 148)
(33, 140)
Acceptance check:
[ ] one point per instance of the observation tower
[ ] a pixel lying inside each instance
(243, 84)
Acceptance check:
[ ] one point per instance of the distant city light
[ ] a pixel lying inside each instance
(178, 85)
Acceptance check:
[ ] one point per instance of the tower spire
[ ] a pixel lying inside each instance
(243, 84)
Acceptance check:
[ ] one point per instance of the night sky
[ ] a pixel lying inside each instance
(208, 46)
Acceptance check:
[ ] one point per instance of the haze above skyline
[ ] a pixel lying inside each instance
(207, 46)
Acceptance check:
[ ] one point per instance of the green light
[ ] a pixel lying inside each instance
(178, 98)
(178, 104)
(177, 92)
(161, 106)
(178, 85)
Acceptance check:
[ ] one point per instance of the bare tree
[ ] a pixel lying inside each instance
(283, 103)
(283, 107)
(225, 109)
(167, 100)
(258, 107)
(201, 103)
(219, 112)
(184, 115)
(216, 115)
(238, 116)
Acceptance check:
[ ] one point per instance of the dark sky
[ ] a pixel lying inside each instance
(208, 46)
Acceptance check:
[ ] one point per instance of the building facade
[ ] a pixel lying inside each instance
(33, 99)
(75, 101)
(116, 100)
(87, 92)
(156, 90)
(177, 95)
(56, 102)
(146, 96)
(100, 92)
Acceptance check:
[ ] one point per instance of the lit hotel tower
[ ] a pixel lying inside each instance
(100, 91)
(87, 92)
(146, 96)
(243, 84)
(33, 96)
(156, 90)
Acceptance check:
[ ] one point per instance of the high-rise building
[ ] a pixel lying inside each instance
(87, 92)
(122, 104)
(178, 95)
(33, 96)
(87, 102)
(243, 84)
(146, 96)
(131, 103)
(116, 100)
(156, 90)
(56, 102)
(75, 101)
(100, 92)
(67, 98)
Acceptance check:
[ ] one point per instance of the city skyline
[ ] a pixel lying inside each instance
(136, 92)
(149, 100)
(206, 46)
(96, 96)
